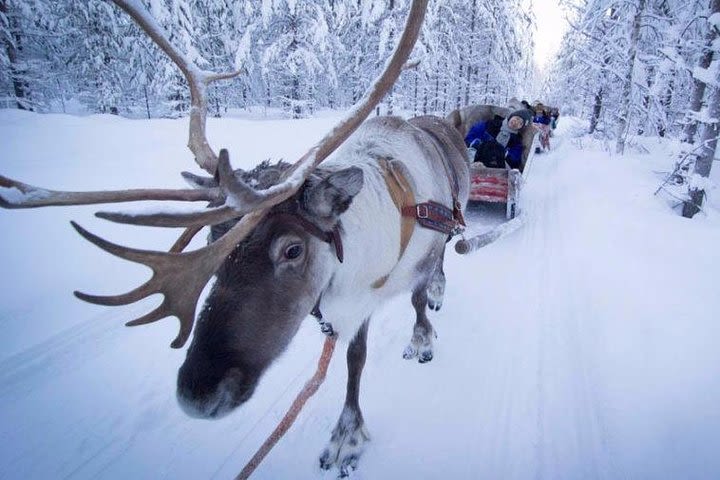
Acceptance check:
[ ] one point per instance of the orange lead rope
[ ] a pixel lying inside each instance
(308, 391)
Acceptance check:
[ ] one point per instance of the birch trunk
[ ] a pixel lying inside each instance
(12, 44)
(708, 137)
(698, 93)
(624, 121)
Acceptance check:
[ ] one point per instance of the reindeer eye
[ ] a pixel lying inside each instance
(293, 251)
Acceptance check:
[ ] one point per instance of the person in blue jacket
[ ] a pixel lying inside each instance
(542, 116)
(498, 140)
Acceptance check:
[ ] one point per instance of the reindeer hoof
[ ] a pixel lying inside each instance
(325, 462)
(348, 465)
(421, 345)
(435, 306)
(410, 352)
(425, 357)
(346, 444)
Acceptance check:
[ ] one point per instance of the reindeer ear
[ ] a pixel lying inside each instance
(333, 195)
(269, 177)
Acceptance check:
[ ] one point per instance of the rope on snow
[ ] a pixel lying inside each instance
(308, 391)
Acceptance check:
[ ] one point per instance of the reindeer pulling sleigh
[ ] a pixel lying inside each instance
(338, 240)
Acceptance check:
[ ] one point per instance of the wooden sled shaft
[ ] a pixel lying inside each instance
(469, 245)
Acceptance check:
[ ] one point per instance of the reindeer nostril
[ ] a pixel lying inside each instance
(202, 395)
(237, 387)
(232, 381)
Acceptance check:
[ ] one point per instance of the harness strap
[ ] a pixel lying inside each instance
(402, 194)
(331, 237)
(434, 216)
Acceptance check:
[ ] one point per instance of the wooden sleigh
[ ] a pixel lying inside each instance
(495, 185)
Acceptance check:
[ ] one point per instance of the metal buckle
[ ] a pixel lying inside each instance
(422, 211)
(457, 229)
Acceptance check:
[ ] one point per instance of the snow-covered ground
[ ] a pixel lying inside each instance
(584, 345)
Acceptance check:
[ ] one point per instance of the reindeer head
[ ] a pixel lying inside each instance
(263, 290)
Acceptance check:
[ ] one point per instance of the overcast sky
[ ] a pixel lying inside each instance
(550, 27)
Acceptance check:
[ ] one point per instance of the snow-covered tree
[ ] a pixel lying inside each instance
(10, 61)
(709, 118)
(627, 65)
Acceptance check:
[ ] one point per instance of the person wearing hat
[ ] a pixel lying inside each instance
(499, 140)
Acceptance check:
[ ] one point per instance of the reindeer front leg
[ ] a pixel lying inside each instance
(349, 435)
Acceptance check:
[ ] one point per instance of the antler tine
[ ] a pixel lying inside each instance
(196, 181)
(186, 322)
(164, 310)
(197, 79)
(158, 314)
(146, 257)
(132, 296)
(17, 194)
(172, 220)
(184, 239)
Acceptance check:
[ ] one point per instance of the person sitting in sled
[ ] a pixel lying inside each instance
(542, 121)
(499, 140)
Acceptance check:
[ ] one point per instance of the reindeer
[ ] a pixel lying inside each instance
(336, 241)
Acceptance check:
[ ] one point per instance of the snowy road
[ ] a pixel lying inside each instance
(573, 348)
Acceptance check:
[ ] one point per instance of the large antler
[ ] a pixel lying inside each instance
(180, 277)
(197, 79)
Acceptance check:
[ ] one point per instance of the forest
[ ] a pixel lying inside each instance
(637, 67)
